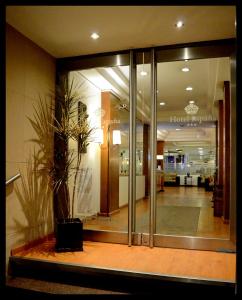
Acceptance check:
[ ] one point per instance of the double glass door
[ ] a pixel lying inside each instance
(150, 170)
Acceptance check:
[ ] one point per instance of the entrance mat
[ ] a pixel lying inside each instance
(174, 220)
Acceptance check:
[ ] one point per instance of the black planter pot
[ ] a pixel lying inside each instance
(69, 235)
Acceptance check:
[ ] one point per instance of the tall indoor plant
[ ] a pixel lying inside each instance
(66, 121)
(70, 123)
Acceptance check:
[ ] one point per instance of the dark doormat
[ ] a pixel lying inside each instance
(172, 220)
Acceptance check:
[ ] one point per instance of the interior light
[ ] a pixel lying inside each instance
(115, 76)
(116, 137)
(143, 73)
(179, 24)
(185, 69)
(200, 148)
(94, 36)
(162, 103)
(189, 88)
(191, 102)
(159, 157)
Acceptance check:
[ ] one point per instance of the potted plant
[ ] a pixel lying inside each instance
(67, 122)
(70, 124)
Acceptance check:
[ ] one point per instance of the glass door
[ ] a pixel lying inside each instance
(102, 198)
(180, 154)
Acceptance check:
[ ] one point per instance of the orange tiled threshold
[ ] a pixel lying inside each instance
(204, 265)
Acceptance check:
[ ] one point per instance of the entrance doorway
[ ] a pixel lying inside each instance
(152, 179)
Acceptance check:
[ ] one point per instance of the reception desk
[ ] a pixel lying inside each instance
(192, 180)
(124, 189)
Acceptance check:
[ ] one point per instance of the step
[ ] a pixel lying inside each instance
(114, 280)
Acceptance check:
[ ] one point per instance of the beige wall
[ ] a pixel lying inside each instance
(30, 73)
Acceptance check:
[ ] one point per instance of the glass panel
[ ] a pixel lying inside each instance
(187, 146)
(102, 198)
(143, 113)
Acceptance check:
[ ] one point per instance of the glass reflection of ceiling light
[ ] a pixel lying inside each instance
(116, 137)
(185, 69)
(159, 157)
(179, 24)
(200, 148)
(178, 129)
(189, 88)
(94, 36)
(191, 109)
(162, 103)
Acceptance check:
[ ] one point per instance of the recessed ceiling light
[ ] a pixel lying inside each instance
(94, 36)
(191, 102)
(162, 103)
(179, 24)
(143, 73)
(189, 88)
(178, 129)
(185, 69)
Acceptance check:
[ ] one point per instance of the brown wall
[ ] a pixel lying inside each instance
(30, 73)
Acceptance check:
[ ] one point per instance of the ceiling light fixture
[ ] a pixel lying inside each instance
(191, 102)
(178, 129)
(179, 24)
(162, 103)
(191, 108)
(94, 36)
(185, 69)
(189, 88)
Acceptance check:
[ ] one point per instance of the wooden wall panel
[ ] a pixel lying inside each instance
(227, 145)
(109, 193)
(160, 151)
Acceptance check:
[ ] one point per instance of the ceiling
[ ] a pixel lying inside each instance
(65, 30)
